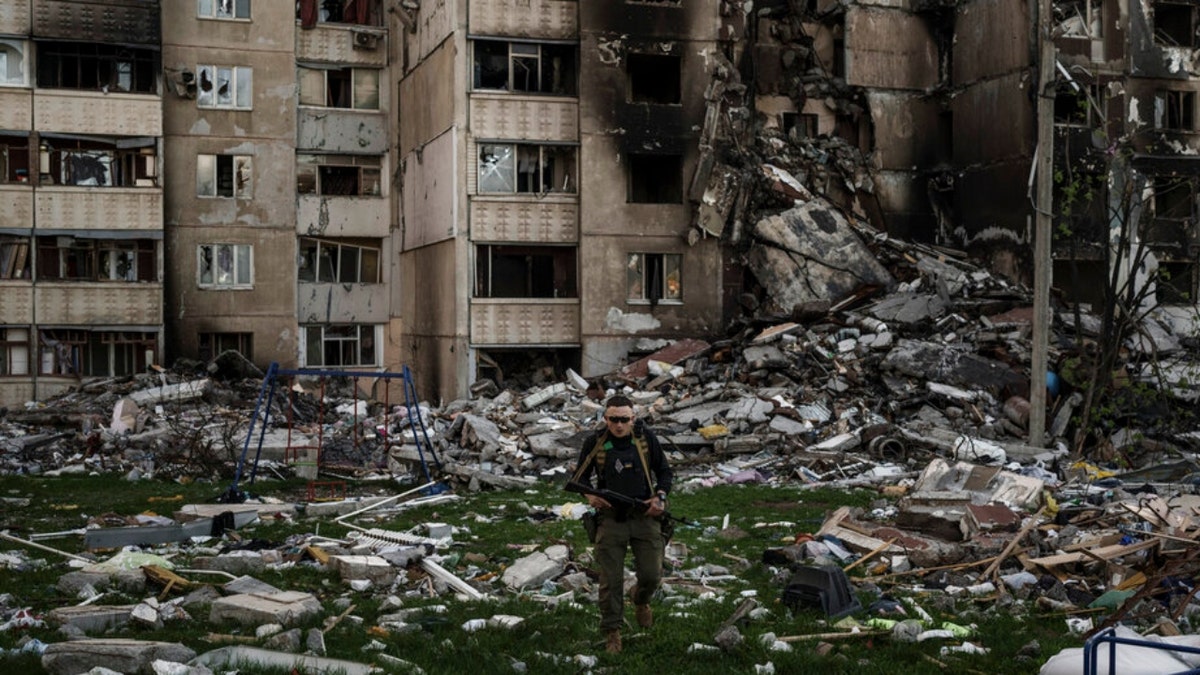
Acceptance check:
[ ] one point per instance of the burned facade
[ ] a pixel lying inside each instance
(81, 229)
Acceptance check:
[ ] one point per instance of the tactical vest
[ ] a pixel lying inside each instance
(598, 455)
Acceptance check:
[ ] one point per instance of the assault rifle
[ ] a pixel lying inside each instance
(614, 498)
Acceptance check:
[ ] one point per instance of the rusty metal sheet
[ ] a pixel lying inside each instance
(672, 354)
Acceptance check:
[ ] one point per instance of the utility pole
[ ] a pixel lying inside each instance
(1042, 260)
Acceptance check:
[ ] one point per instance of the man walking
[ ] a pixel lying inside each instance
(626, 458)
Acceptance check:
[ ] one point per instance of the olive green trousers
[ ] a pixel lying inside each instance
(613, 541)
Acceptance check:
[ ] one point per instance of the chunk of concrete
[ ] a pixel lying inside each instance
(230, 657)
(92, 619)
(121, 655)
(537, 567)
(364, 567)
(253, 609)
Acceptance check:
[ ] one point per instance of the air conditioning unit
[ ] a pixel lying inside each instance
(365, 40)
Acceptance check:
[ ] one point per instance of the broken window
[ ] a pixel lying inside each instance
(213, 344)
(1171, 229)
(358, 12)
(14, 257)
(529, 67)
(14, 158)
(95, 353)
(1175, 110)
(655, 179)
(223, 176)
(654, 78)
(104, 67)
(356, 88)
(798, 126)
(654, 276)
(526, 168)
(1175, 283)
(225, 266)
(1079, 18)
(516, 271)
(1078, 106)
(224, 87)
(93, 162)
(13, 67)
(223, 9)
(14, 351)
(1177, 24)
(68, 258)
(341, 345)
(346, 261)
(339, 175)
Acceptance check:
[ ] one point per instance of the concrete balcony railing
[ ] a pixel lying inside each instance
(524, 321)
(16, 302)
(16, 109)
(321, 216)
(545, 19)
(553, 219)
(94, 303)
(342, 130)
(18, 205)
(95, 113)
(342, 43)
(529, 118)
(99, 208)
(342, 303)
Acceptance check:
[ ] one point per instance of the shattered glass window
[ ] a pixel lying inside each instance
(225, 265)
(1079, 18)
(224, 176)
(651, 277)
(497, 168)
(1177, 24)
(12, 62)
(526, 67)
(224, 87)
(223, 9)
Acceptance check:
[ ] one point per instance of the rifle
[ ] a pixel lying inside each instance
(637, 505)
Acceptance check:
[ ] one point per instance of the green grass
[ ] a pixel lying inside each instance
(496, 529)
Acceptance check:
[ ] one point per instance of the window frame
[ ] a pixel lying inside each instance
(235, 283)
(556, 268)
(211, 344)
(634, 173)
(1181, 7)
(545, 52)
(80, 260)
(315, 174)
(15, 258)
(636, 290)
(511, 157)
(214, 10)
(97, 67)
(339, 255)
(1182, 102)
(10, 346)
(236, 74)
(15, 46)
(324, 342)
(356, 87)
(239, 188)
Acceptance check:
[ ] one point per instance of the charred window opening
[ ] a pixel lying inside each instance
(1079, 205)
(225, 266)
(80, 65)
(1172, 225)
(355, 88)
(13, 63)
(524, 368)
(1077, 106)
(799, 126)
(95, 353)
(507, 168)
(654, 277)
(14, 257)
(214, 344)
(223, 9)
(14, 159)
(1079, 18)
(344, 261)
(1175, 110)
(527, 67)
(1176, 24)
(514, 271)
(1175, 283)
(655, 179)
(67, 258)
(96, 163)
(14, 351)
(358, 12)
(339, 175)
(654, 78)
(224, 176)
(225, 87)
(341, 345)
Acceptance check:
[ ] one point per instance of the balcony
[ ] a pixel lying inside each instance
(341, 43)
(527, 118)
(96, 113)
(16, 302)
(342, 303)
(550, 220)
(18, 209)
(341, 130)
(99, 304)
(522, 321)
(545, 19)
(329, 216)
(99, 208)
(15, 110)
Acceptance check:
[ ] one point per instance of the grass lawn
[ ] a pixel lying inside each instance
(559, 633)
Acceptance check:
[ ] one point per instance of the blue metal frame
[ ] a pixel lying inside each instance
(1109, 636)
(267, 392)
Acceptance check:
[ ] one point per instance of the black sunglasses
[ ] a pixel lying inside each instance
(619, 420)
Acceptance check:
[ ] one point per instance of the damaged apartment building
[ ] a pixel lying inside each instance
(493, 189)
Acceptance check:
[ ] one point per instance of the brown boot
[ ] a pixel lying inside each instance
(612, 643)
(645, 617)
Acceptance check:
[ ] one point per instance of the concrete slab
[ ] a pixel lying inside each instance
(124, 656)
(253, 609)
